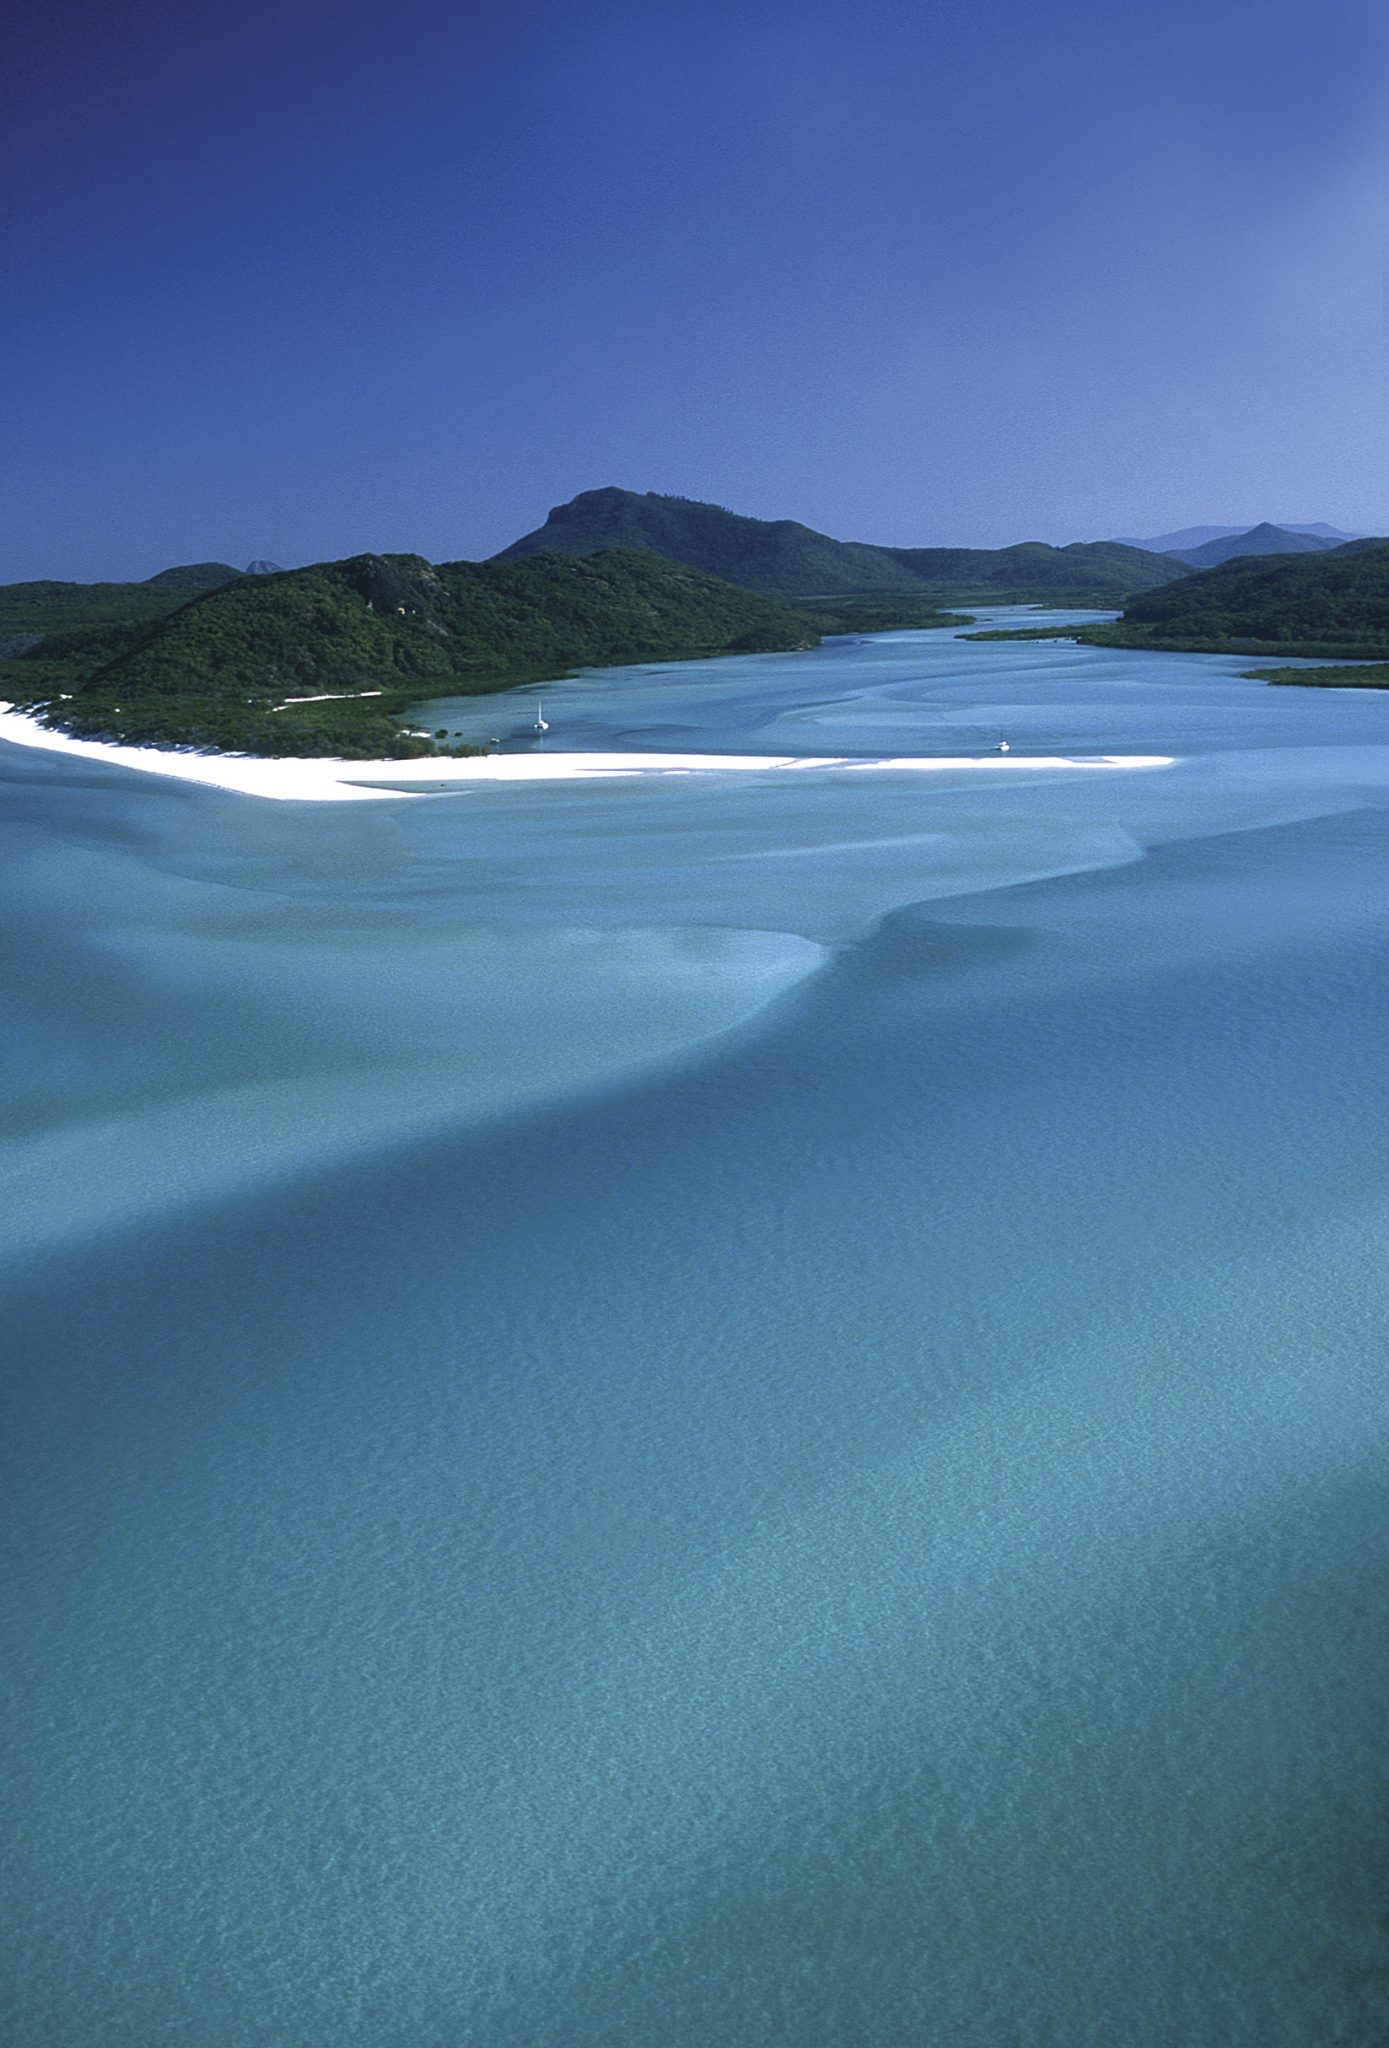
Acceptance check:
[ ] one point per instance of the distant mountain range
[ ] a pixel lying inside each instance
(1259, 540)
(328, 659)
(782, 558)
(1191, 538)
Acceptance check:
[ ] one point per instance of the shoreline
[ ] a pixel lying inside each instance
(316, 780)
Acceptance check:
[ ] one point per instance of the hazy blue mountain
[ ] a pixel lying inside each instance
(782, 558)
(1259, 540)
(1189, 537)
(263, 569)
(1185, 537)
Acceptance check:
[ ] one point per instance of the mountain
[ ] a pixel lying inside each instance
(263, 569)
(225, 670)
(193, 577)
(785, 559)
(1333, 602)
(1185, 537)
(779, 556)
(1191, 537)
(1259, 540)
(1097, 572)
(46, 607)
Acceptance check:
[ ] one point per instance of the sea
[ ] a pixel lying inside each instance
(725, 1411)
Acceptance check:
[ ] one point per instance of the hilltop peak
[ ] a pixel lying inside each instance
(606, 497)
(1266, 530)
(194, 576)
(774, 556)
(783, 558)
(1263, 539)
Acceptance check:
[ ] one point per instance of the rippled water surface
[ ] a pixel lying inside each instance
(734, 1410)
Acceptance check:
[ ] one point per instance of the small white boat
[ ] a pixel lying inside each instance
(1003, 747)
(542, 723)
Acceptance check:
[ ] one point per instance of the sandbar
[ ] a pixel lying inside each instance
(320, 781)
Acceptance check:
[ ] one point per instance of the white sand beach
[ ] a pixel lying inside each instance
(320, 781)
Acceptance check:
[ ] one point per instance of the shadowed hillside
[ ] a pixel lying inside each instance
(786, 559)
(779, 556)
(1260, 540)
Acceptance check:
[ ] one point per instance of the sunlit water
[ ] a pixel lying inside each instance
(728, 1411)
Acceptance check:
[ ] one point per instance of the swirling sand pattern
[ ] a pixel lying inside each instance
(742, 1416)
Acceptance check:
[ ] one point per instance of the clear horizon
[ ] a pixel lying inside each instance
(292, 290)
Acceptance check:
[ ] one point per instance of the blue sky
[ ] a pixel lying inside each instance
(295, 283)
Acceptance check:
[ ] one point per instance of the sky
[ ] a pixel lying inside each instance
(295, 283)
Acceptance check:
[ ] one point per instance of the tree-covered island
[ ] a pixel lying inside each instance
(329, 659)
(1328, 604)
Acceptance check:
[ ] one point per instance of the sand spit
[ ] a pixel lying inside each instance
(320, 781)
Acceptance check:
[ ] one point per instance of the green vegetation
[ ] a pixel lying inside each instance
(874, 614)
(780, 557)
(785, 559)
(1100, 573)
(1324, 604)
(329, 659)
(1368, 675)
(358, 728)
(1331, 603)
(43, 608)
(192, 577)
(237, 667)
(1078, 631)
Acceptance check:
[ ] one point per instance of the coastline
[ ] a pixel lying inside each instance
(313, 780)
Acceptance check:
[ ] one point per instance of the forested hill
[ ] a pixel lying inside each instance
(50, 607)
(777, 556)
(1331, 603)
(226, 669)
(1099, 572)
(785, 559)
(1259, 540)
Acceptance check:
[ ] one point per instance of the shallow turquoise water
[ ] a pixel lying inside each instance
(721, 1412)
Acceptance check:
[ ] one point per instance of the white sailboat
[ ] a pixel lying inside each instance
(542, 724)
